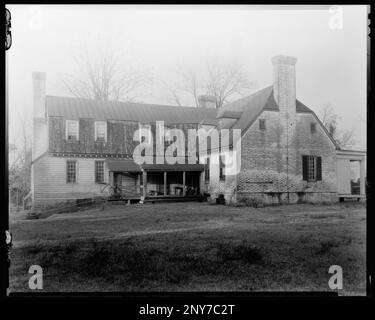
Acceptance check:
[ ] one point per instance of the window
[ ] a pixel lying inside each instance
(71, 171)
(207, 171)
(101, 131)
(99, 171)
(72, 130)
(312, 168)
(262, 124)
(313, 127)
(222, 166)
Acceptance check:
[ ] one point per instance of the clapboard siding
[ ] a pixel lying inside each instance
(50, 180)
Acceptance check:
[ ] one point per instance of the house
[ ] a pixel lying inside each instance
(84, 148)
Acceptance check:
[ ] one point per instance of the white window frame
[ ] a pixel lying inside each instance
(105, 130)
(95, 170)
(67, 129)
(75, 171)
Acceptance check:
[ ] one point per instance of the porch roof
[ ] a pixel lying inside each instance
(173, 167)
(123, 165)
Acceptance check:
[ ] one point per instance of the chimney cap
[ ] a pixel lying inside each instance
(39, 75)
(281, 59)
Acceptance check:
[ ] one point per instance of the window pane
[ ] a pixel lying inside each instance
(311, 168)
(72, 127)
(99, 171)
(100, 131)
(71, 171)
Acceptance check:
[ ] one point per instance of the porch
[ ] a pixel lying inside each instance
(132, 182)
(351, 174)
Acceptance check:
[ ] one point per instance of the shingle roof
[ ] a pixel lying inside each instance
(251, 106)
(300, 107)
(75, 108)
(246, 110)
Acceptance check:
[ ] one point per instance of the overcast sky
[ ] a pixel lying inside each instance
(331, 66)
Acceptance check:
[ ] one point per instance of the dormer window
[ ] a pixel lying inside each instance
(101, 131)
(313, 127)
(72, 130)
(262, 124)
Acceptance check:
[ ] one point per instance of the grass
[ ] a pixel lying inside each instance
(274, 248)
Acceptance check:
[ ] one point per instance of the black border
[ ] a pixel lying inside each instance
(242, 300)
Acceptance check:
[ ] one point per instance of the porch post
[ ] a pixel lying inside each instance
(165, 183)
(111, 181)
(144, 184)
(362, 187)
(183, 183)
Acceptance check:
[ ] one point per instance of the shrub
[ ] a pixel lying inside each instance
(250, 201)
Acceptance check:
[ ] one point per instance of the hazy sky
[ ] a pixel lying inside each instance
(331, 66)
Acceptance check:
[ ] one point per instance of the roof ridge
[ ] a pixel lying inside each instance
(125, 102)
(251, 95)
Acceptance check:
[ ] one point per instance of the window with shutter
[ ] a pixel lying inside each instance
(319, 168)
(311, 168)
(304, 168)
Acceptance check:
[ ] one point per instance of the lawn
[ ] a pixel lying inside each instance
(193, 247)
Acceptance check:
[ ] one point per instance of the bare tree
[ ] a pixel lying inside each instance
(191, 85)
(225, 82)
(172, 91)
(105, 77)
(330, 119)
(20, 165)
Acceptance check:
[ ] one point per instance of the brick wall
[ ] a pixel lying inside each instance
(264, 156)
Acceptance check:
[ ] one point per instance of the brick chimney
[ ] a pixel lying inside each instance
(39, 92)
(284, 83)
(207, 101)
(40, 134)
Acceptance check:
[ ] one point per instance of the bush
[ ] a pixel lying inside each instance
(251, 201)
